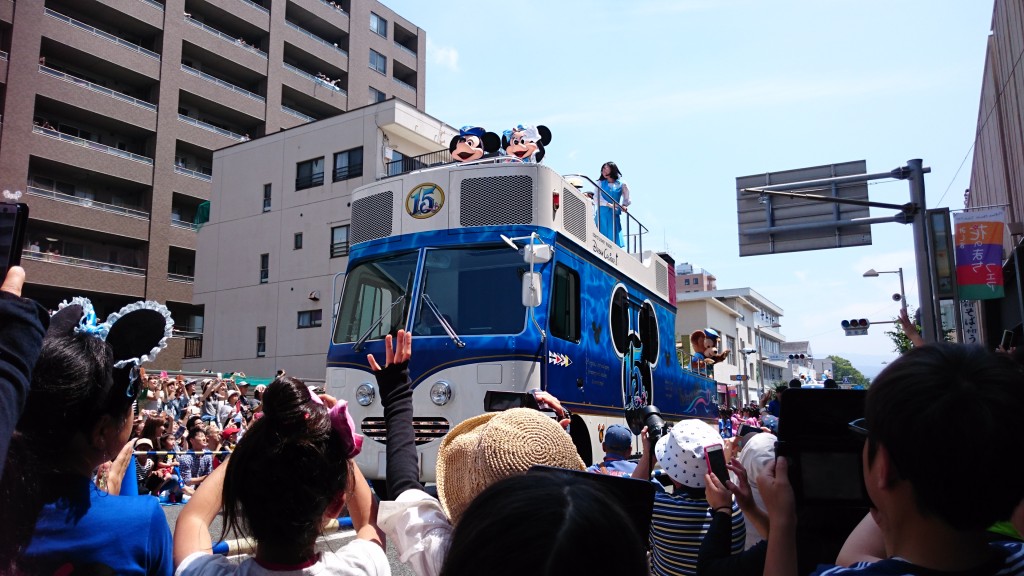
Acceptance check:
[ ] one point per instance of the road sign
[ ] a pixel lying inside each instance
(739, 377)
(774, 224)
(776, 357)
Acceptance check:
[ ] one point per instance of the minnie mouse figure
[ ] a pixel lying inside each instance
(526, 143)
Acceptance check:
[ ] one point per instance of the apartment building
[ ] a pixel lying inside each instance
(112, 110)
(270, 259)
(692, 279)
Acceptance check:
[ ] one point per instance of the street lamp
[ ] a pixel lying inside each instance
(760, 357)
(874, 274)
(745, 397)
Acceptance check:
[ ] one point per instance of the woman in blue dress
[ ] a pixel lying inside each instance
(613, 190)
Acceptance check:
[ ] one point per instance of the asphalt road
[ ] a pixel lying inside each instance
(325, 544)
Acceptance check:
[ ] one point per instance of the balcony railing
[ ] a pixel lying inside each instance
(181, 278)
(105, 35)
(193, 347)
(410, 163)
(226, 37)
(88, 203)
(305, 32)
(313, 78)
(333, 5)
(97, 88)
(211, 128)
(222, 83)
(154, 4)
(82, 263)
(297, 114)
(339, 249)
(315, 179)
(346, 172)
(256, 6)
(193, 173)
(183, 224)
(405, 48)
(90, 144)
(404, 83)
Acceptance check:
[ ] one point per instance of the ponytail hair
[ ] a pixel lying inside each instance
(286, 470)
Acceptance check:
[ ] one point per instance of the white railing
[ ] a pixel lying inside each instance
(97, 88)
(222, 83)
(184, 224)
(297, 114)
(313, 78)
(305, 32)
(405, 48)
(334, 5)
(256, 6)
(193, 173)
(210, 127)
(181, 278)
(90, 144)
(404, 83)
(82, 263)
(227, 38)
(87, 202)
(154, 4)
(97, 32)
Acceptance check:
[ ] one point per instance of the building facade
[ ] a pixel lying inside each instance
(692, 279)
(112, 110)
(271, 258)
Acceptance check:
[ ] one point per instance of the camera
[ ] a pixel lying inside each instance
(648, 416)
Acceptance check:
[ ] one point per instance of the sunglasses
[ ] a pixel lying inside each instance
(859, 426)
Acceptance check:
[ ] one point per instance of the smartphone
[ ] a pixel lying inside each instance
(748, 429)
(13, 221)
(1007, 340)
(180, 432)
(497, 400)
(714, 454)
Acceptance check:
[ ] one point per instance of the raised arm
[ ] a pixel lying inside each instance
(647, 459)
(192, 530)
(396, 397)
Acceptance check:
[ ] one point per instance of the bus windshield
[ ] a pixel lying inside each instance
(371, 292)
(476, 290)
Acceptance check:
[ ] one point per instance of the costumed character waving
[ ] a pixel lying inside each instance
(473, 143)
(704, 344)
(526, 142)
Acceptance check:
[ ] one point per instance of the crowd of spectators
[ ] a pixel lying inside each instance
(80, 415)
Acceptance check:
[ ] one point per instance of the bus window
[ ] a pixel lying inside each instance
(565, 304)
(371, 290)
(476, 290)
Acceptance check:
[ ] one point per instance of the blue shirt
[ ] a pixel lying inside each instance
(94, 532)
(614, 466)
(1007, 560)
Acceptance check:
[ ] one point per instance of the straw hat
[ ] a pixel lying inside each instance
(487, 448)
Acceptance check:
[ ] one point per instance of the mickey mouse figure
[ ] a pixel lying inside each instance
(526, 142)
(473, 143)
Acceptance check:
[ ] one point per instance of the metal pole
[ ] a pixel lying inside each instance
(903, 293)
(760, 362)
(926, 293)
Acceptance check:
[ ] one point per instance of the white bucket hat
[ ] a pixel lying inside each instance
(681, 451)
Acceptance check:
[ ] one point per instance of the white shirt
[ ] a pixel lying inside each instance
(417, 526)
(356, 558)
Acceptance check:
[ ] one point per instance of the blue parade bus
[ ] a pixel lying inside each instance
(507, 284)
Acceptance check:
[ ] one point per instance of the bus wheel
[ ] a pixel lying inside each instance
(581, 439)
(380, 488)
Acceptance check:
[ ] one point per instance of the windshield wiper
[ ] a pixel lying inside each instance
(441, 320)
(366, 335)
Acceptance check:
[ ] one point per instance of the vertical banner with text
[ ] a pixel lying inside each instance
(979, 253)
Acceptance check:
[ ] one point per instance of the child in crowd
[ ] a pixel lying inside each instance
(290, 474)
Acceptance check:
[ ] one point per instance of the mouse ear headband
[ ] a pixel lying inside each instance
(135, 333)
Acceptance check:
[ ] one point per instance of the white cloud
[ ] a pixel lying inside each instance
(443, 56)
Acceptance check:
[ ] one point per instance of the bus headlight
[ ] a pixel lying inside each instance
(365, 394)
(440, 393)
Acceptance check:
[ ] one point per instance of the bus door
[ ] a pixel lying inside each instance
(566, 350)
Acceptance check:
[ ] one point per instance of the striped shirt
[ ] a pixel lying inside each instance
(1007, 560)
(678, 526)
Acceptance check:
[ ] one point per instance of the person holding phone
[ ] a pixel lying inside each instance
(682, 519)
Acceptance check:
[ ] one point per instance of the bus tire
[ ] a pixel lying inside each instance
(581, 439)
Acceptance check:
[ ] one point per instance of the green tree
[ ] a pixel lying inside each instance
(901, 344)
(842, 368)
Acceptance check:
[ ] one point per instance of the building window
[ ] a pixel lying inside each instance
(266, 197)
(686, 282)
(297, 244)
(261, 341)
(264, 268)
(730, 343)
(339, 241)
(309, 173)
(565, 304)
(378, 25)
(348, 164)
(377, 95)
(310, 318)
(378, 62)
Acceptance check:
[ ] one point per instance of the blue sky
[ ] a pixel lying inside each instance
(687, 95)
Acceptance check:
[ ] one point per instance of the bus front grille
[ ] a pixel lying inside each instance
(427, 429)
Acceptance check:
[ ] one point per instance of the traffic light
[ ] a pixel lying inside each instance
(797, 356)
(858, 327)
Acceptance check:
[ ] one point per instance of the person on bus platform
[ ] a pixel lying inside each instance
(612, 200)
(617, 446)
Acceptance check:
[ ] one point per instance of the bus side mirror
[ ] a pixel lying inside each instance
(531, 289)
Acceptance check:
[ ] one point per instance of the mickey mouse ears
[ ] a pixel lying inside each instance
(135, 333)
